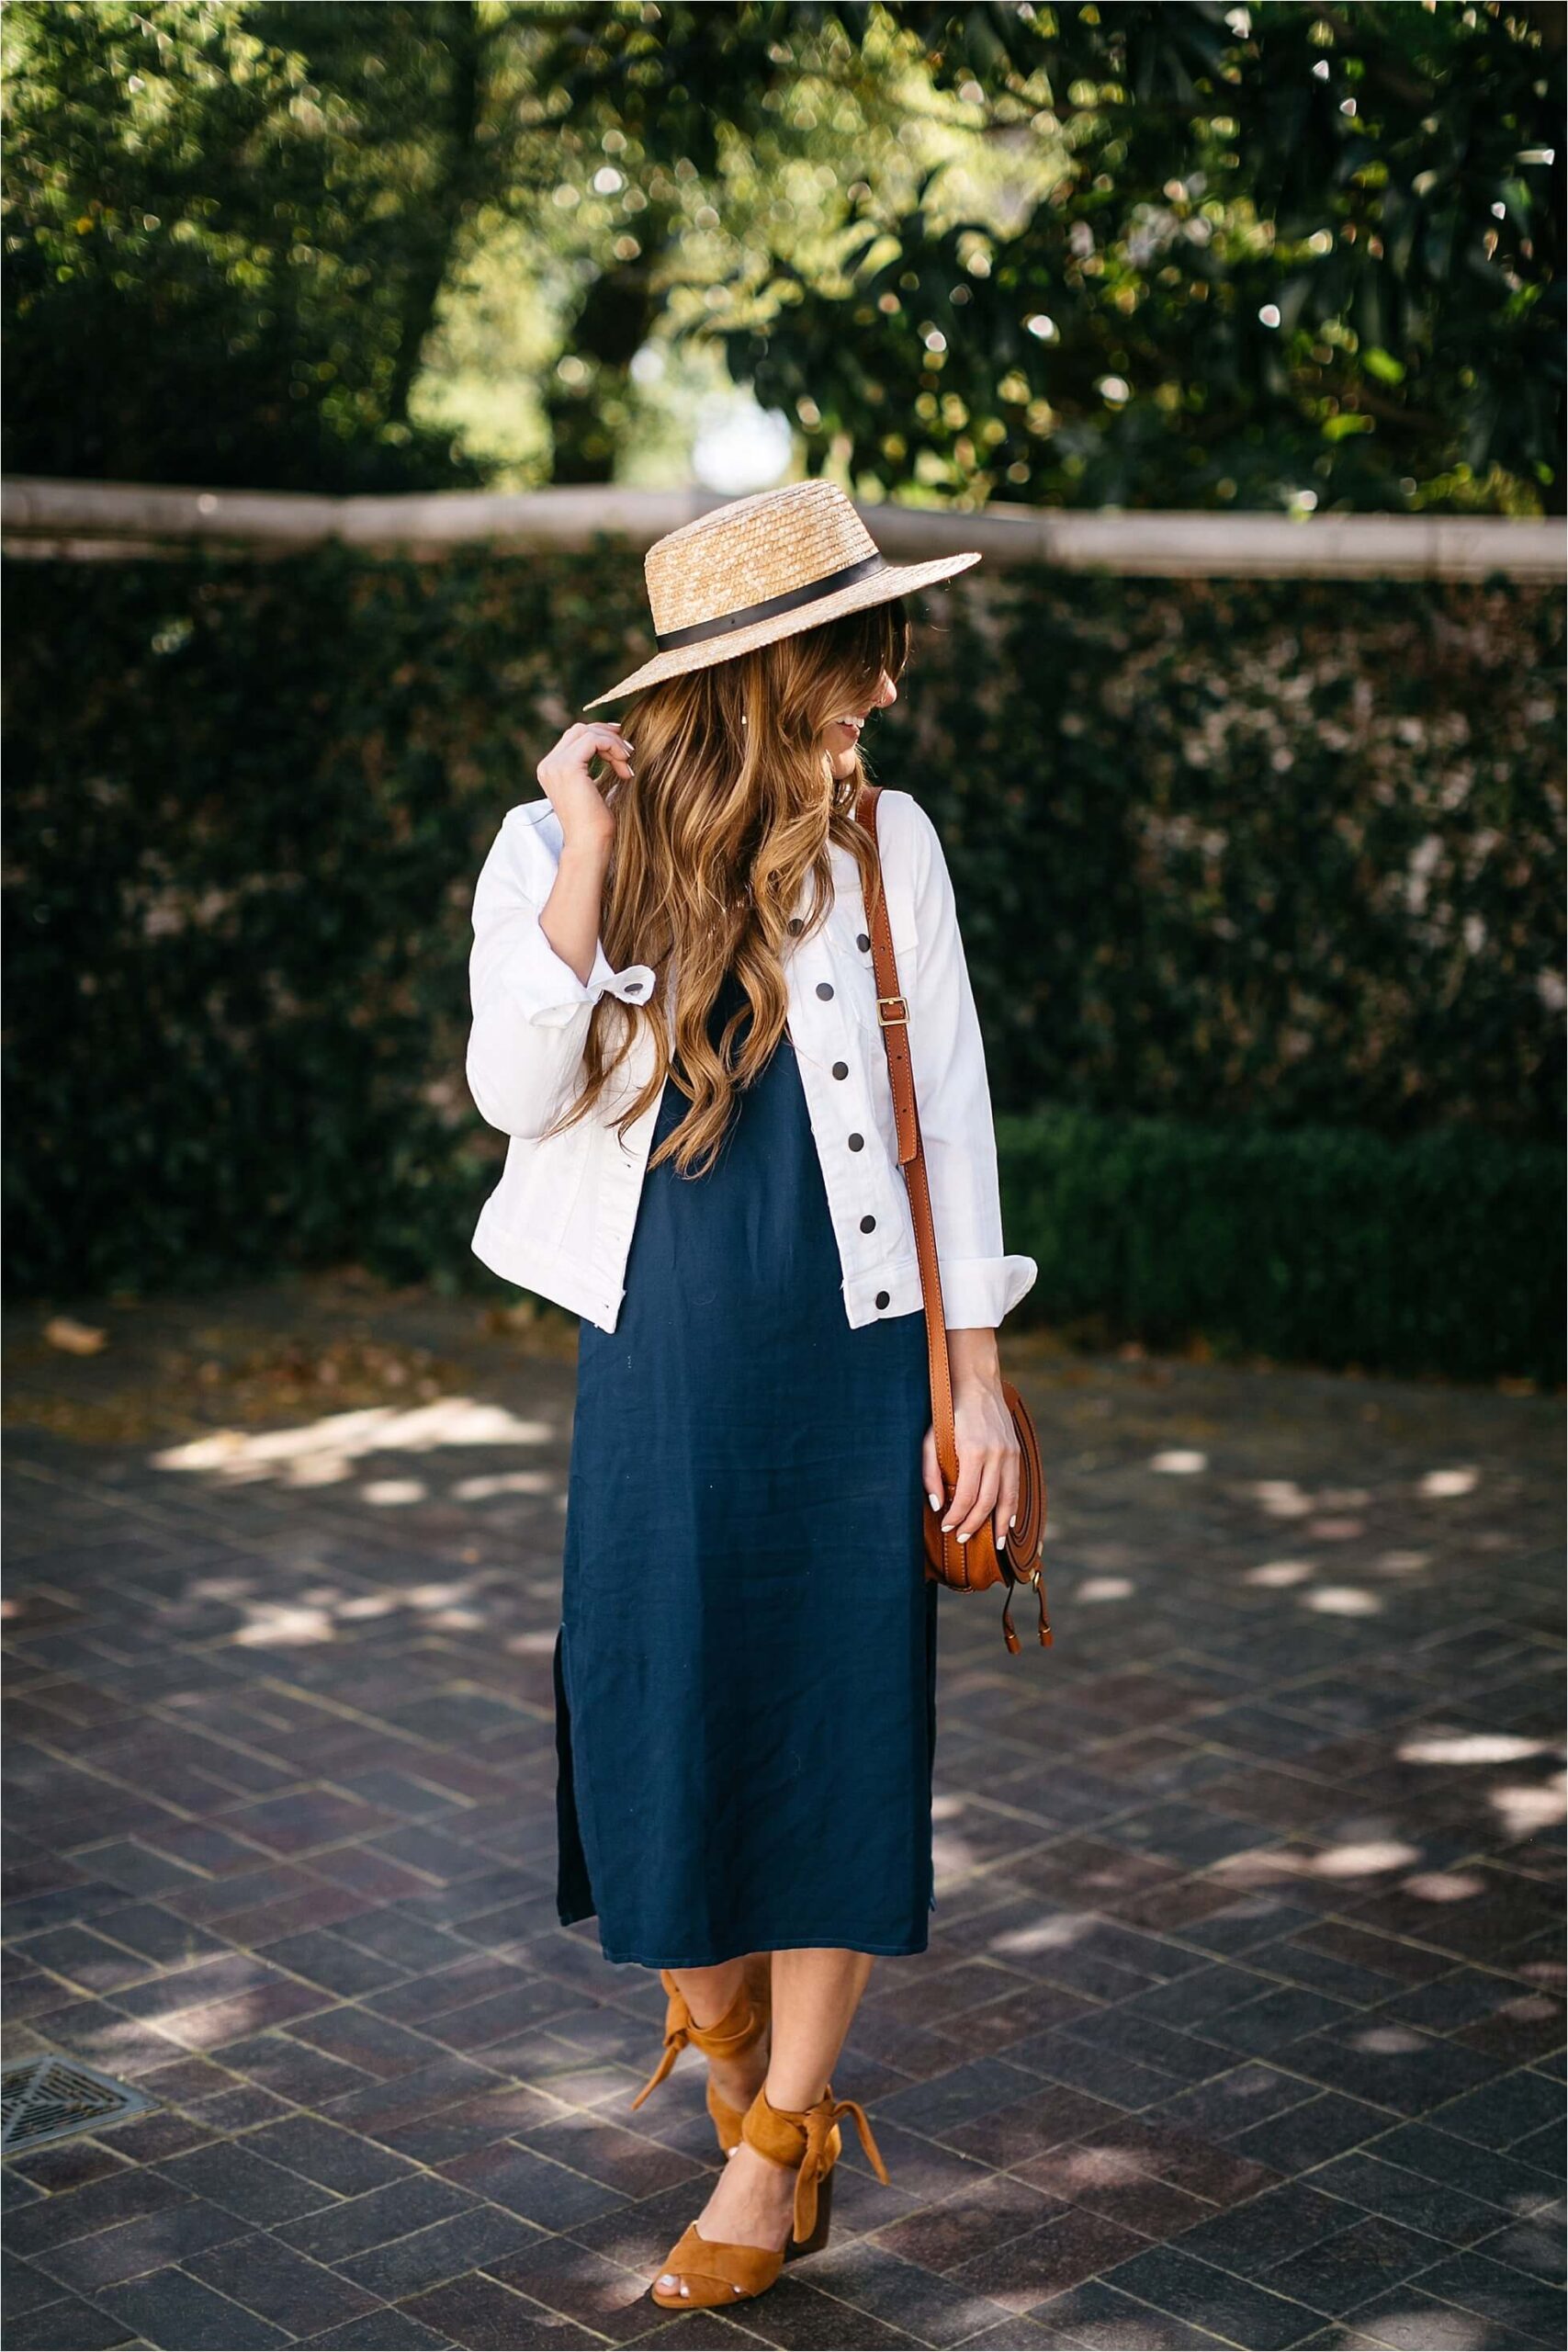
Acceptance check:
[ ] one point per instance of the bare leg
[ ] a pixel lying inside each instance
(816, 1994)
(708, 1993)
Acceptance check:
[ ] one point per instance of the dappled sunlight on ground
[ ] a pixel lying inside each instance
(1241, 2021)
(322, 1452)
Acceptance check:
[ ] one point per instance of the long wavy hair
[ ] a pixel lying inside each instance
(732, 810)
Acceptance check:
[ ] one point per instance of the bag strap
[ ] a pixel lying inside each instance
(893, 1016)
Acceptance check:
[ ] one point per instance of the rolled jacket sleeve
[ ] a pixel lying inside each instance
(530, 1009)
(981, 1282)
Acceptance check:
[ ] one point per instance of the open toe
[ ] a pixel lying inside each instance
(704, 2273)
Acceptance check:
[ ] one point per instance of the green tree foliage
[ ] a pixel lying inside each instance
(226, 228)
(1172, 254)
(229, 227)
(1292, 252)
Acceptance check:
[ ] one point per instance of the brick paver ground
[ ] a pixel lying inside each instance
(1241, 2019)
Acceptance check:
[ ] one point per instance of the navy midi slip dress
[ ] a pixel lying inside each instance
(745, 1672)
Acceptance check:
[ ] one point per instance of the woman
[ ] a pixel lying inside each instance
(676, 1022)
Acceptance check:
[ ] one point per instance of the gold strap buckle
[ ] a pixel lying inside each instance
(892, 1020)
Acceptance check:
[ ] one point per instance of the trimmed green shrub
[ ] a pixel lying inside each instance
(1443, 1252)
(1264, 856)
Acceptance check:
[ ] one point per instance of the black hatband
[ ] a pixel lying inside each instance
(771, 607)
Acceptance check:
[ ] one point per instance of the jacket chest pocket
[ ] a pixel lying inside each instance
(854, 983)
(855, 980)
(854, 986)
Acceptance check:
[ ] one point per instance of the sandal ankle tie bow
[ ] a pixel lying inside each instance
(810, 2140)
(734, 2034)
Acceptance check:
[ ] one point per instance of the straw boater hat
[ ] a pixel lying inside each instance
(761, 568)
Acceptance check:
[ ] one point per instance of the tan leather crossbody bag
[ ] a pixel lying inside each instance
(976, 1565)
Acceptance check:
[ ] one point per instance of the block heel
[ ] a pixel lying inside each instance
(820, 2236)
(808, 2143)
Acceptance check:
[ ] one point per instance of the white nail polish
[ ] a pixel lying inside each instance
(963, 1539)
(935, 1501)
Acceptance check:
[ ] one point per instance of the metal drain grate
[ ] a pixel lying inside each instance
(51, 2098)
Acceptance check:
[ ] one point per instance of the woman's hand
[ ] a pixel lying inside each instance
(570, 916)
(574, 792)
(988, 1442)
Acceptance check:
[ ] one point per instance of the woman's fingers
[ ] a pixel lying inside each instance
(602, 741)
(985, 1501)
(583, 743)
(580, 797)
(975, 1497)
(1007, 1499)
(987, 1488)
(586, 737)
(969, 1466)
(931, 1470)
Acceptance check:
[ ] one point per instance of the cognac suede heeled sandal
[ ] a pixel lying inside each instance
(806, 2142)
(740, 2027)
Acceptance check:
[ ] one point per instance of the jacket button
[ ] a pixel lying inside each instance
(882, 1298)
(840, 1069)
(862, 939)
(857, 1143)
(797, 922)
(824, 989)
(868, 1225)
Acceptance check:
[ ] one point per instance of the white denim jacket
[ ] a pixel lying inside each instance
(559, 1223)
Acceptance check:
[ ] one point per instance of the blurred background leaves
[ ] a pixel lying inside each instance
(1166, 253)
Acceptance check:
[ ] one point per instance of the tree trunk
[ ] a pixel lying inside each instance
(464, 42)
(588, 422)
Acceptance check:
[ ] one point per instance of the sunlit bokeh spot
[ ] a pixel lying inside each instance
(1445, 1887)
(1390, 2041)
(1364, 1861)
(322, 1452)
(1179, 1462)
(1283, 1499)
(1442, 1484)
(1524, 1809)
(505, 1482)
(739, 447)
(1341, 1601)
(281, 1624)
(1278, 1576)
(1057, 1933)
(1472, 1748)
(1417, 2330)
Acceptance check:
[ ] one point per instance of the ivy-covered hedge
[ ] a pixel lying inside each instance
(1264, 855)
(1319, 1245)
